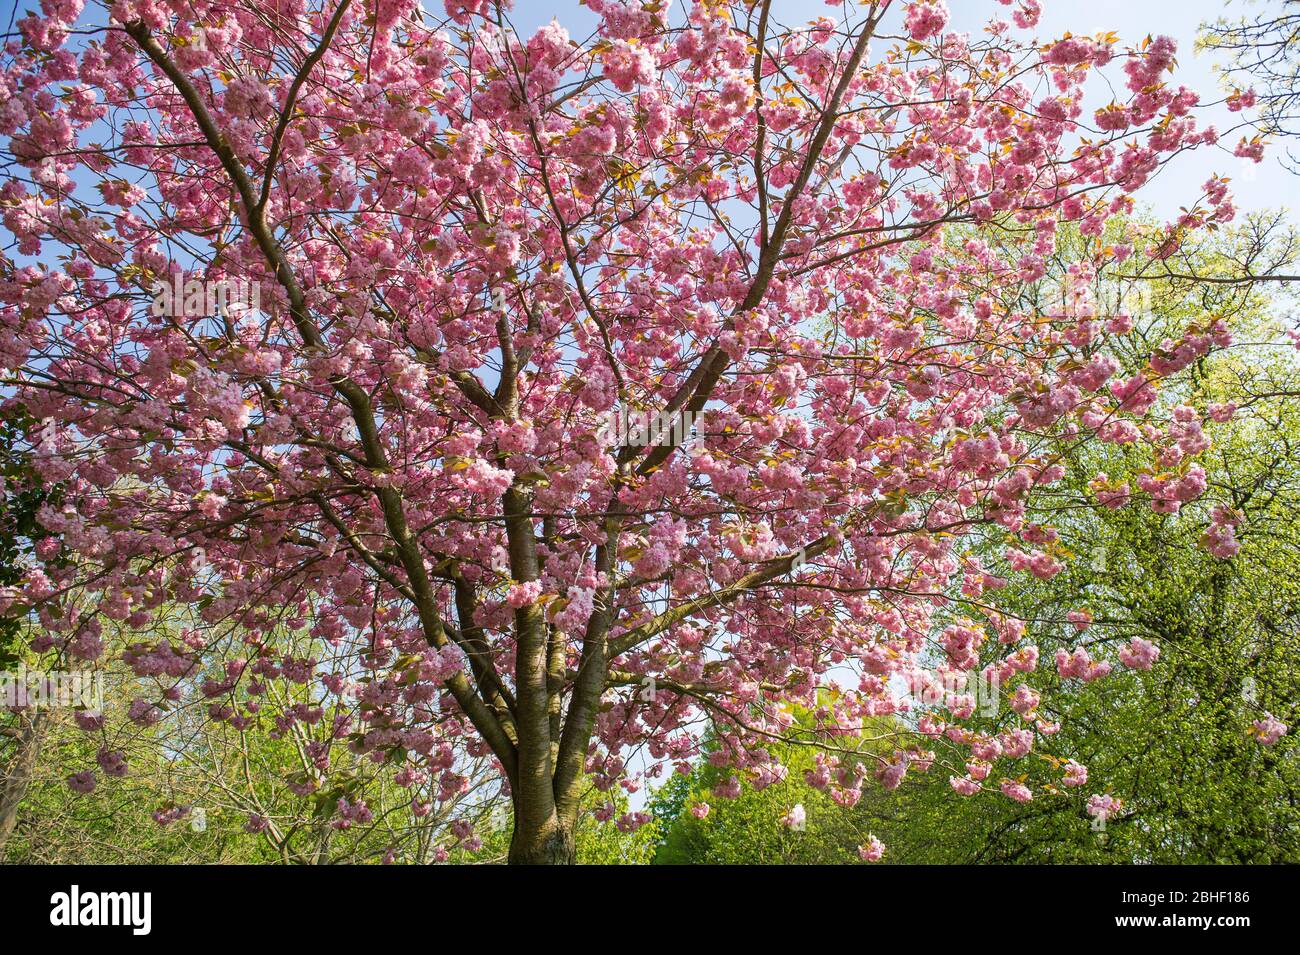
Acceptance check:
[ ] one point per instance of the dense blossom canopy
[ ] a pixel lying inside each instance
(468, 257)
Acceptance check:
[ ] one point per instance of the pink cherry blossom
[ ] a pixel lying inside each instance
(925, 18)
(1017, 791)
(873, 850)
(1139, 654)
(1102, 807)
(1269, 729)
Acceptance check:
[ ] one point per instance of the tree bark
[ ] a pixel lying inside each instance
(551, 843)
(16, 777)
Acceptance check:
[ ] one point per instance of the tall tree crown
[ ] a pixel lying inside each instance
(582, 389)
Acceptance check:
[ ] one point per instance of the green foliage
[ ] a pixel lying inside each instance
(188, 760)
(22, 493)
(1175, 742)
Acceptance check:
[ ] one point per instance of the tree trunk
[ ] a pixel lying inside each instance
(15, 778)
(550, 844)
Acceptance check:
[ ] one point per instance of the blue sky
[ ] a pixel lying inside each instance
(1266, 186)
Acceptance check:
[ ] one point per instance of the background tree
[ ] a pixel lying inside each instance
(1176, 743)
(22, 493)
(205, 790)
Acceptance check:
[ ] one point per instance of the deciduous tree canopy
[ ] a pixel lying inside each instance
(578, 391)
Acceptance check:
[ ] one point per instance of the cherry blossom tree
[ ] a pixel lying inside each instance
(584, 390)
